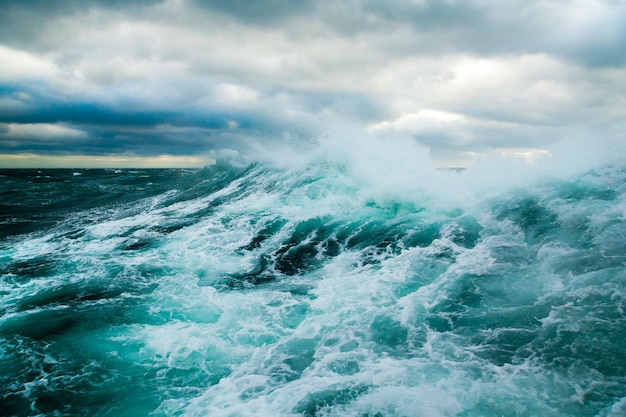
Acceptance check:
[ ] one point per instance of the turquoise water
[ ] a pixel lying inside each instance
(326, 287)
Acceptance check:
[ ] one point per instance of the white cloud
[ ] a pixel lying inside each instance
(531, 156)
(424, 120)
(16, 64)
(42, 131)
(233, 95)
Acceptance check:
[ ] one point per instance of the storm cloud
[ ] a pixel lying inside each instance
(183, 77)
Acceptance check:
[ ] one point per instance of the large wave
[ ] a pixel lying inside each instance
(353, 280)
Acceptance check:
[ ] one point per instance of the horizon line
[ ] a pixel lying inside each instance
(38, 161)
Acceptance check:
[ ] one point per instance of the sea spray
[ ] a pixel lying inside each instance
(355, 280)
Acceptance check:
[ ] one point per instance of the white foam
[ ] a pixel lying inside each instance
(616, 410)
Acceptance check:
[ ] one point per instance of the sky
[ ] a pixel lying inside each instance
(172, 82)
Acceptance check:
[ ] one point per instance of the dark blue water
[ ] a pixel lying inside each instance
(331, 288)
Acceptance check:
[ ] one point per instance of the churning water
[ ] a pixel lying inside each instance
(349, 283)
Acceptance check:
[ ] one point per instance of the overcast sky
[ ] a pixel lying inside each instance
(173, 80)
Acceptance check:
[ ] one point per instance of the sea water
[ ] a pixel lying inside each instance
(353, 281)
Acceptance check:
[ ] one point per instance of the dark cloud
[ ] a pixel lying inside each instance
(606, 52)
(257, 12)
(427, 15)
(101, 140)
(47, 108)
(113, 129)
(97, 114)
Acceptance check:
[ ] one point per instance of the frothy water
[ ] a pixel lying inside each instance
(348, 282)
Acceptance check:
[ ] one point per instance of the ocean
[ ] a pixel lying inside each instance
(348, 282)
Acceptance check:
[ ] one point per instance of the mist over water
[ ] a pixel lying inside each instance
(351, 280)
